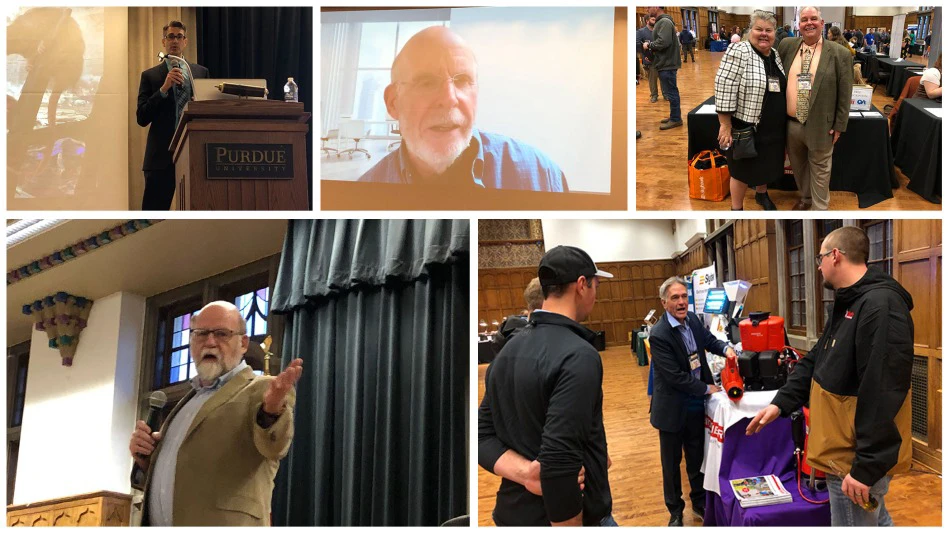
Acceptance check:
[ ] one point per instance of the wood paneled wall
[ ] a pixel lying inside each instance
(621, 304)
(755, 253)
(725, 19)
(917, 266)
(694, 257)
(500, 292)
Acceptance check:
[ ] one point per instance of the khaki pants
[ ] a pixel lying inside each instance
(652, 81)
(811, 168)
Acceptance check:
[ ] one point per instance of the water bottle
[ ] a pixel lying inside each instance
(291, 93)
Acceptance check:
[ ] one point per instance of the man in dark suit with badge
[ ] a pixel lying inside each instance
(162, 94)
(682, 379)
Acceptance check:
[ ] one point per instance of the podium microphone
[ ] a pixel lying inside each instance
(156, 403)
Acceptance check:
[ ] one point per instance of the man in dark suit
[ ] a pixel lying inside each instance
(682, 378)
(819, 93)
(162, 94)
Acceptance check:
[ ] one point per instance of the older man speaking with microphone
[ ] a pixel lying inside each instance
(215, 458)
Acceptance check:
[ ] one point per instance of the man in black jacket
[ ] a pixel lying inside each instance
(856, 379)
(682, 378)
(162, 93)
(540, 423)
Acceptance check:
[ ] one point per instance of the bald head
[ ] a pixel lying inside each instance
(425, 47)
(225, 311)
(433, 96)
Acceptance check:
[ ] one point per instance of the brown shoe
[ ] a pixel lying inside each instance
(802, 205)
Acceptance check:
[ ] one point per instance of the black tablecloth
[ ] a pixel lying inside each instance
(719, 46)
(896, 68)
(486, 351)
(862, 158)
(916, 141)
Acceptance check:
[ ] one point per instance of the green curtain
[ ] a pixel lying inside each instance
(378, 310)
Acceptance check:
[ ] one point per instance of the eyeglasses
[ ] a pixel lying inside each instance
(176, 36)
(219, 334)
(429, 84)
(819, 257)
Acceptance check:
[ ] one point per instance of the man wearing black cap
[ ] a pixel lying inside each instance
(540, 423)
(682, 379)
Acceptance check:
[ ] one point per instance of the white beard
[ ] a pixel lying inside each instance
(210, 369)
(439, 158)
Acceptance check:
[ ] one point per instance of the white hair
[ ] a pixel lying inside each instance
(765, 16)
(663, 290)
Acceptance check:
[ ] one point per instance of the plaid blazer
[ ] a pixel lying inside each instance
(741, 82)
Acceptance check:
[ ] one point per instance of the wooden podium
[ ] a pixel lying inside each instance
(241, 155)
(102, 508)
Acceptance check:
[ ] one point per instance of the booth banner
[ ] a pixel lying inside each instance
(703, 279)
(720, 413)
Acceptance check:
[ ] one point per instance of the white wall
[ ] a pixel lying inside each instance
(834, 14)
(612, 240)
(686, 229)
(545, 78)
(77, 420)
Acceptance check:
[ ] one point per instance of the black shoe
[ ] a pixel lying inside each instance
(675, 521)
(699, 512)
(638, 134)
(764, 201)
(671, 124)
(666, 98)
(653, 99)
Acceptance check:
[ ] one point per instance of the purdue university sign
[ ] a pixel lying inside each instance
(249, 161)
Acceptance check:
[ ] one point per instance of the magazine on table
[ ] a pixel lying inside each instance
(760, 490)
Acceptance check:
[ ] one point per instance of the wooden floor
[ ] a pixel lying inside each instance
(635, 478)
(661, 181)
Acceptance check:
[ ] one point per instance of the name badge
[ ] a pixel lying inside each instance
(773, 84)
(694, 363)
(804, 81)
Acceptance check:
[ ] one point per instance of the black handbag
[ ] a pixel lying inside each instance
(742, 143)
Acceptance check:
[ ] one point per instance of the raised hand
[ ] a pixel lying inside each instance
(274, 399)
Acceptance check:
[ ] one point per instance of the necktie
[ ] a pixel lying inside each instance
(182, 95)
(803, 95)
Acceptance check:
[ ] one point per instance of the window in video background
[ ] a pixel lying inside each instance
(55, 62)
(545, 77)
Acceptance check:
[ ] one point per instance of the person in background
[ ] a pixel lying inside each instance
(514, 324)
(735, 35)
(836, 36)
(750, 89)
(928, 44)
(782, 33)
(687, 40)
(642, 37)
(870, 42)
(667, 54)
(930, 84)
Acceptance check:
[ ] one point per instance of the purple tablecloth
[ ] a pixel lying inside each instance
(768, 452)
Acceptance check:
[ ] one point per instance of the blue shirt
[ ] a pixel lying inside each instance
(161, 488)
(490, 162)
(694, 404)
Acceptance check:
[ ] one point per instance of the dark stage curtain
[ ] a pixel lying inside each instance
(379, 311)
(274, 43)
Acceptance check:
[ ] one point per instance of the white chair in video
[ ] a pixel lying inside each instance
(355, 130)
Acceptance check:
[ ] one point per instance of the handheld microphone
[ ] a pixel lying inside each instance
(156, 403)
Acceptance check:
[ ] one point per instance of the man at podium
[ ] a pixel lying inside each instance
(162, 94)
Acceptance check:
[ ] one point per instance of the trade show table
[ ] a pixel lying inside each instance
(862, 158)
(916, 142)
(730, 454)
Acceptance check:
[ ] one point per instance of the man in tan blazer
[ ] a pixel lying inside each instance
(819, 92)
(214, 460)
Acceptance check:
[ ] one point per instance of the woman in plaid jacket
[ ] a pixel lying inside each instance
(750, 89)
